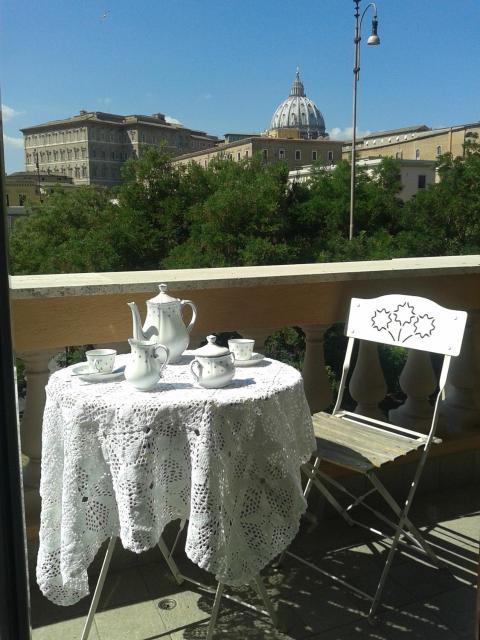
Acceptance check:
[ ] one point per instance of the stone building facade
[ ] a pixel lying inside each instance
(295, 152)
(22, 186)
(414, 143)
(91, 147)
(415, 175)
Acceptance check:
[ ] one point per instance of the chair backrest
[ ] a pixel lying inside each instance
(407, 321)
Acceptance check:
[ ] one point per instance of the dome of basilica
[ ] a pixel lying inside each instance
(299, 112)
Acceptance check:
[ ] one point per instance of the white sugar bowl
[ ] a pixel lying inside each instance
(213, 366)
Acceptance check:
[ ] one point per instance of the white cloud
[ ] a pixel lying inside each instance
(171, 120)
(8, 113)
(9, 141)
(337, 133)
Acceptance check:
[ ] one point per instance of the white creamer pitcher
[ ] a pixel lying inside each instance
(146, 364)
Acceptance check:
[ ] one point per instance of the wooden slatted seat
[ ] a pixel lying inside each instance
(359, 447)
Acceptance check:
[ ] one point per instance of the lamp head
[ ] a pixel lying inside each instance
(373, 38)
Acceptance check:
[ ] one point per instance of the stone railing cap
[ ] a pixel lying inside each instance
(105, 283)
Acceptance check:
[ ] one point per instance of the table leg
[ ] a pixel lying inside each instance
(177, 537)
(215, 609)
(172, 565)
(266, 600)
(98, 589)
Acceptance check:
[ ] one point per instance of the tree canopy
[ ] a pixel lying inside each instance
(246, 213)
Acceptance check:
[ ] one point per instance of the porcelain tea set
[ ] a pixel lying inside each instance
(162, 340)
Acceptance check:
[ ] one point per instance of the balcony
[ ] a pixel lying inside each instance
(52, 312)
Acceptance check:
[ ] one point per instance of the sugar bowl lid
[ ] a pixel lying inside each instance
(162, 297)
(212, 350)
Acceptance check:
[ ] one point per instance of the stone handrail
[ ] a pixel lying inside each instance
(50, 312)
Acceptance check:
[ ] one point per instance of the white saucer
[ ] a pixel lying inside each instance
(83, 372)
(255, 359)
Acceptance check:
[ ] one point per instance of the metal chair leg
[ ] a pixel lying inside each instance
(215, 610)
(393, 504)
(98, 589)
(385, 572)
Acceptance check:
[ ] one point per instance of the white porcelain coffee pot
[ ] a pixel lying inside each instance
(145, 364)
(213, 366)
(164, 323)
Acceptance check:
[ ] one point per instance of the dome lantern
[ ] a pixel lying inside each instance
(299, 112)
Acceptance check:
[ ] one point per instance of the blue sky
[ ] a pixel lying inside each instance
(225, 66)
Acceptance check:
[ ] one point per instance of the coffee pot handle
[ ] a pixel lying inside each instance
(194, 313)
(195, 375)
(165, 362)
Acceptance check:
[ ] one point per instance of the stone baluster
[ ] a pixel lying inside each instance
(315, 379)
(460, 408)
(37, 372)
(418, 382)
(367, 384)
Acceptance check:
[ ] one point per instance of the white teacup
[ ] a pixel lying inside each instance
(101, 360)
(242, 348)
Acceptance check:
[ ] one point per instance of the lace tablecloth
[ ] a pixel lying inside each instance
(120, 462)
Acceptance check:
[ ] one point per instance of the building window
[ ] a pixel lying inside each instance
(422, 181)
(246, 153)
(142, 137)
(77, 172)
(330, 156)
(281, 154)
(399, 155)
(84, 172)
(314, 155)
(238, 155)
(94, 171)
(417, 154)
(298, 154)
(265, 154)
(113, 155)
(439, 150)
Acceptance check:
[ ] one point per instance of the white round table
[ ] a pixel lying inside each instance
(120, 462)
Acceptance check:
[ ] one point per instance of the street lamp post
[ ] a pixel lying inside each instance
(372, 40)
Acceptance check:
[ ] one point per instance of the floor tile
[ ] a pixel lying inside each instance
(132, 622)
(456, 609)
(123, 587)
(66, 630)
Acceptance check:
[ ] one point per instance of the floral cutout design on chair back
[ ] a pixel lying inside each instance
(403, 322)
(407, 321)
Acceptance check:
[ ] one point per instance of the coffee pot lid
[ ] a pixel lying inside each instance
(162, 297)
(212, 350)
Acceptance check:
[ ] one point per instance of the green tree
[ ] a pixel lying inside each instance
(241, 220)
(444, 219)
(74, 230)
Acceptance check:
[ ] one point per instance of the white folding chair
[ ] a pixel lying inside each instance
(364, 445)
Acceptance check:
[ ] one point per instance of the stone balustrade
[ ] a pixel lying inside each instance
(51, 312)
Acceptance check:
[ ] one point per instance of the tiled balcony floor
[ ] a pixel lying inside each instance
(141, 602)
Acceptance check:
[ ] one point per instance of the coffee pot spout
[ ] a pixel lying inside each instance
(137, 323)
